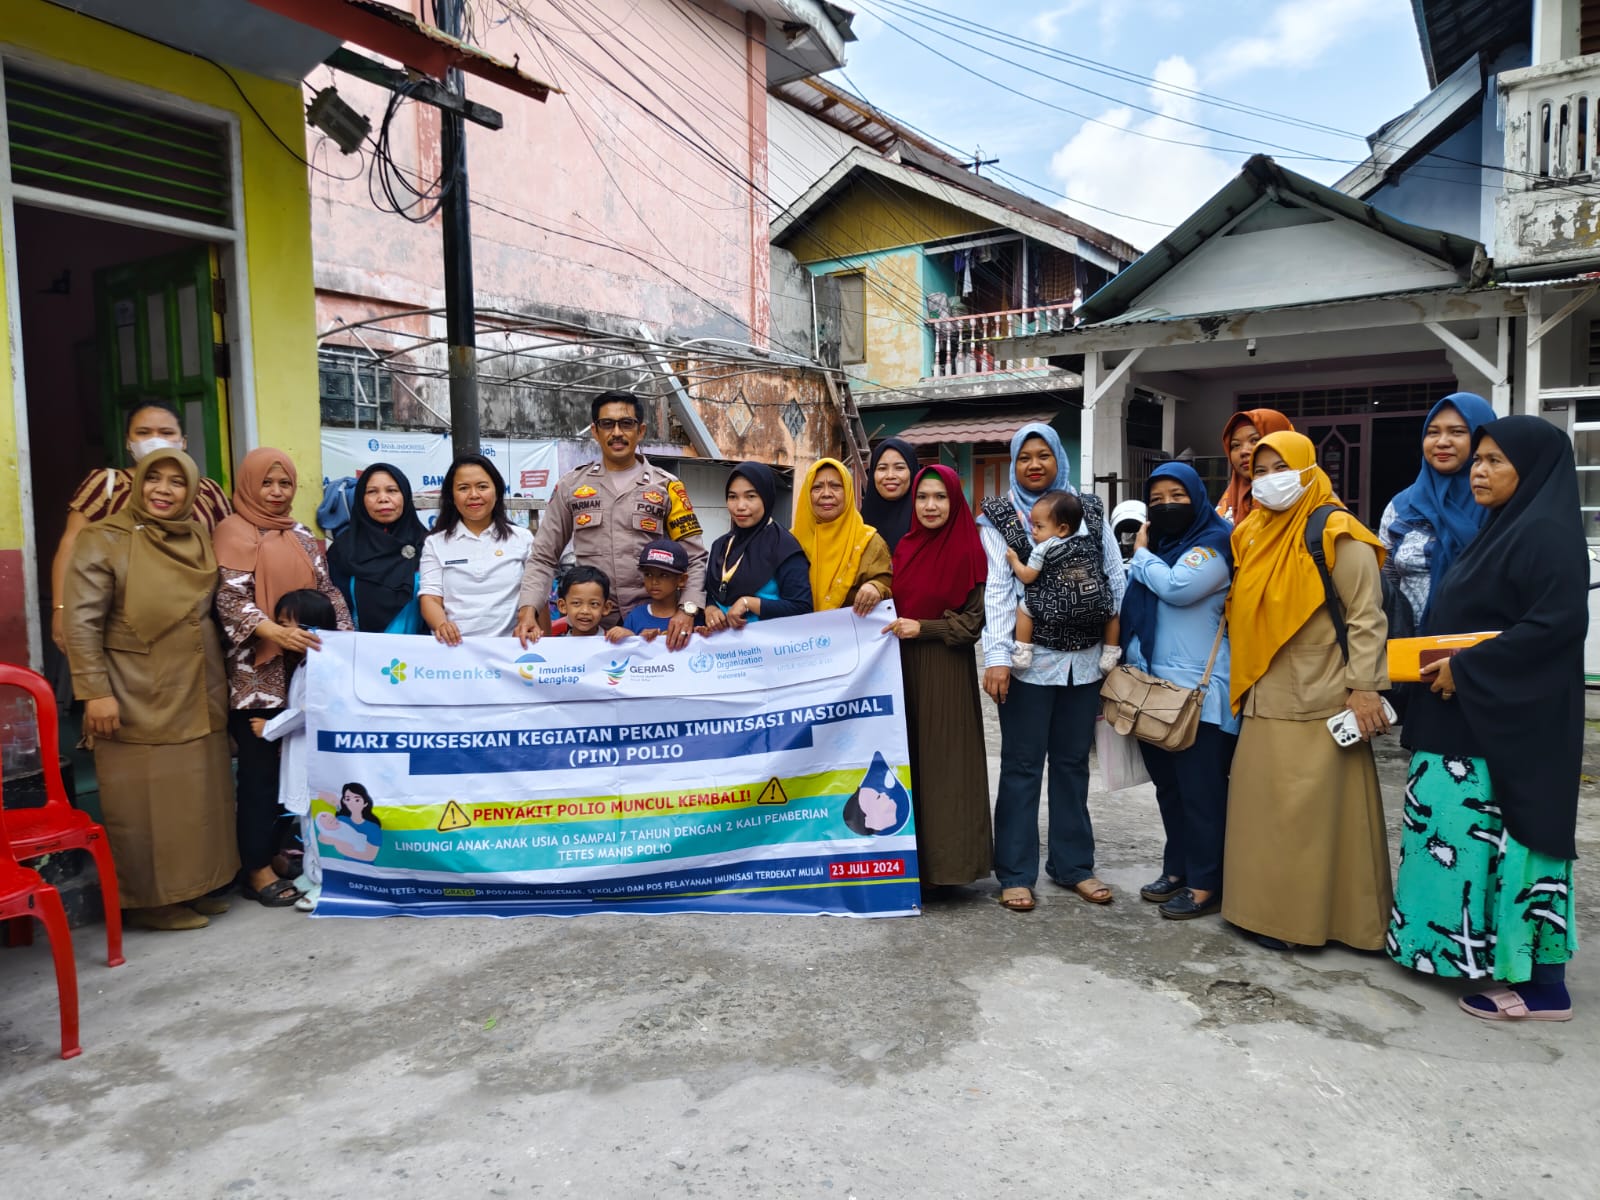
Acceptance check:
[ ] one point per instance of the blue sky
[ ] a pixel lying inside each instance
(1348, 65)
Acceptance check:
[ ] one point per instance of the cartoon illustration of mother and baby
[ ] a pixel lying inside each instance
(354, 830)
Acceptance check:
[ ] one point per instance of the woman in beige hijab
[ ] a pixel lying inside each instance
(147, 662)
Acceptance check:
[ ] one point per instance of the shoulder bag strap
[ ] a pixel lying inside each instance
(1314, 530)
(1216, 645)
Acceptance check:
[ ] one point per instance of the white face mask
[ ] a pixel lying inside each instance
(1278, 491)
(140, 450)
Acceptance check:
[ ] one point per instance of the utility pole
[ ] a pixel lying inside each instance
(460, 311)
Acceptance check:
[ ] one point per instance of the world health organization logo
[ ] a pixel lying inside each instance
(701, 663)
(396, 671)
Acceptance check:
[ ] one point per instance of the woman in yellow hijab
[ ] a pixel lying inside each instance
(1307, 859)
(850, 562)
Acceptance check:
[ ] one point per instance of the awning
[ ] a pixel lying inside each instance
(983, 425)
(398, 35)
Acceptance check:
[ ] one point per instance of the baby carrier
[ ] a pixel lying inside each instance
(1071, 600)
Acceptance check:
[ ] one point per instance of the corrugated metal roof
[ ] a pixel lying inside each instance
(1260, 177)
(983, 425)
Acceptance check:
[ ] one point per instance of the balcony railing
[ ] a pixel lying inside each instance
(1552, 141)
(962, 346)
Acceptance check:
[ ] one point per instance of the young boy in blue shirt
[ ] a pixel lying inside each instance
(664, 567)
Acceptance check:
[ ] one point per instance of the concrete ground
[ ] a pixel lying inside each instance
(965, 1053)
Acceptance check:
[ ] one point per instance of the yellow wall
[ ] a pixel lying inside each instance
(277, 215)
(875, 214)
(895, 334)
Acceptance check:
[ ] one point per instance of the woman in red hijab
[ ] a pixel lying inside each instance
(939, 572)
(262, 553)
(1239, 437)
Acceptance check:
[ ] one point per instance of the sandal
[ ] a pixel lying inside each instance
(280, 893)
(1017, 899)
(1508, 1006)
(1093, 891)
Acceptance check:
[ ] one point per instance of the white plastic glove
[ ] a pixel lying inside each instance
(1110, 656)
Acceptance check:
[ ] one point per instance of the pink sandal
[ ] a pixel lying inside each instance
(1508, 1006)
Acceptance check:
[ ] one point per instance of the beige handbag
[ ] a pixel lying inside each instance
(1154, 710)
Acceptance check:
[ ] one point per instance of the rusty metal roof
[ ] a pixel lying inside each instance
(397, 34)
(979, 425)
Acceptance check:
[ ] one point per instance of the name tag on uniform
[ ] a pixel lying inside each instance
(456, 562)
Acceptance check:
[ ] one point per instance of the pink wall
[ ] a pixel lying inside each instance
(681, 238)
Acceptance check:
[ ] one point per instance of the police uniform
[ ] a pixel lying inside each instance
(608, 529)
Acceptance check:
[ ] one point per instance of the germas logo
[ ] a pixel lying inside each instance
(396, 671)
(616, 671)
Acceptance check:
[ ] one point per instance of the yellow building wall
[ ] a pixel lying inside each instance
(895, 335)
(876, 214)
(277, 227)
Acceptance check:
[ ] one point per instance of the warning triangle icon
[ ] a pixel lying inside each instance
(773, 793)
(455, 817)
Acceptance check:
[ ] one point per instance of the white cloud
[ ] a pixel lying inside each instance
(1118, 165)
(1046, 26)
(1298, 33)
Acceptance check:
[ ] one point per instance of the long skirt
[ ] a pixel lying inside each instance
(1307, 858)
(168, 813)
(949, 764)
(1471, 902)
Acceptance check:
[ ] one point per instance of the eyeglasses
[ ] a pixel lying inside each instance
(624, 424)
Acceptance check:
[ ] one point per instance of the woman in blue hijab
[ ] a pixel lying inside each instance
(1181, 570)
(1426, 526)
(1047, 709)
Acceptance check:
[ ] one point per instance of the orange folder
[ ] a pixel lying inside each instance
(1407, 656)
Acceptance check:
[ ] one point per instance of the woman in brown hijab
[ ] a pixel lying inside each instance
(262, 553)
(147, 662)
(1239, 437)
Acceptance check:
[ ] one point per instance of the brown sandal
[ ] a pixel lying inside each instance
(1094, 891)
(1017, 899)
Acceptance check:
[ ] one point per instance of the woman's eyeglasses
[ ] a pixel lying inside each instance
(624, 424)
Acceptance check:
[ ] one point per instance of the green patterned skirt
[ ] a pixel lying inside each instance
(1471, 902)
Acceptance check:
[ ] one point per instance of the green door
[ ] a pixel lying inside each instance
(157, 331)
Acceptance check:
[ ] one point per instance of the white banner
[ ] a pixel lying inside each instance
(531, 469)
(760, 770)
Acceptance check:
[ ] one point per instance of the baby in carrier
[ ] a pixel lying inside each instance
(1066, 599)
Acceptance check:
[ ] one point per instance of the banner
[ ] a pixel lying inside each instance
(759, 770)
(530, 468)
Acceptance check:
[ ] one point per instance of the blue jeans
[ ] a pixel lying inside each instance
(1192, 793)
(1039, 723)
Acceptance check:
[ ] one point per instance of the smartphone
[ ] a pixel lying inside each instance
(1346, 732)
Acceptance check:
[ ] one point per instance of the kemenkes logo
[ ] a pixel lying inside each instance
(820, 642)
(396, 671)
(616, 671)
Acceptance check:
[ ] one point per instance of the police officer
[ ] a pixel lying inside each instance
(609, 510)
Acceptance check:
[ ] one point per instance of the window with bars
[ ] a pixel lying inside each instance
(355, 390)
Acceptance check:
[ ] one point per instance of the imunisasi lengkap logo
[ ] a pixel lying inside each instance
(395, 671)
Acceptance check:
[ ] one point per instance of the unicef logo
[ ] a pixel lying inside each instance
(823, 642)
(396, 671)
(701, 663)
(372, 444)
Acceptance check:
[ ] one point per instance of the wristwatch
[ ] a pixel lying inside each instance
(692, 609)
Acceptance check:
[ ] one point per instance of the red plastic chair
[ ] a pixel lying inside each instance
(58, 826)
(23, 894)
